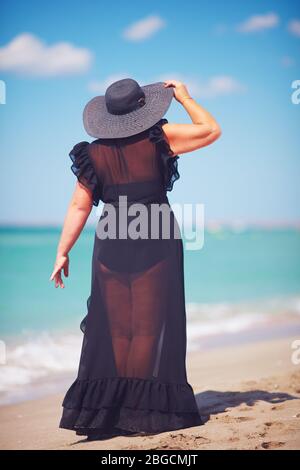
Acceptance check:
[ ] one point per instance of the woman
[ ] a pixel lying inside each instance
(132, 372)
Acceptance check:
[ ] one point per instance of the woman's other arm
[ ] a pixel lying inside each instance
(77, 213)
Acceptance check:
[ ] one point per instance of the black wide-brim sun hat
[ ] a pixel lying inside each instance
(126, 109)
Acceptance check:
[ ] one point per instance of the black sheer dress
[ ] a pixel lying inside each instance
(132, 371)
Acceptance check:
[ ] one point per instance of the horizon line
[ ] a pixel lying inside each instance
(212, 224)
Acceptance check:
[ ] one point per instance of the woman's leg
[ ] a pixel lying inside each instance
(148, 314)
(117, 296)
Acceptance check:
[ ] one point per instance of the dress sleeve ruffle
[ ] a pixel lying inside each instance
(169, 160)
(83, 169)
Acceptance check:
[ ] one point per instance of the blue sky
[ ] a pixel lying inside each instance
(238, 60)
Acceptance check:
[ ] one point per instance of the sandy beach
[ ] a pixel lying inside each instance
(249, 397)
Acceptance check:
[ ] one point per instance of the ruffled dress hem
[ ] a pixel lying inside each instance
(130, 404)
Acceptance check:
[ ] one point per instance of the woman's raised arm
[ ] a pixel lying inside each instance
(203, 131)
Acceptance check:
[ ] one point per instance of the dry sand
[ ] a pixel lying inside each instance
(249, 396)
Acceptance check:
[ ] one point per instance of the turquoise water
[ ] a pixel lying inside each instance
(231, 267)
(250, 265)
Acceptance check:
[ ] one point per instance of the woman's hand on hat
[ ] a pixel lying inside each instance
(180, 90)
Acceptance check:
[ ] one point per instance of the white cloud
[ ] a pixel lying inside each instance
(213, 87)
(294, 27)
(219, 85)
(259, 23)
(144, 28)
(99, 86)
(27, 54)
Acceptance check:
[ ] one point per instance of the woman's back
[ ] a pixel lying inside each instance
(142, 166)
(125, 161)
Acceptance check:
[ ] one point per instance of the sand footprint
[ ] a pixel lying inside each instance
(277, 407)
(277, 424)
(272, 444)
(243, 418)
(234, 419)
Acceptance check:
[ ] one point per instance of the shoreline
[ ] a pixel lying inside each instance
(276, 327)
(249, 396)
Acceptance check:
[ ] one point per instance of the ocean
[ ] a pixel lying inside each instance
(241, 280)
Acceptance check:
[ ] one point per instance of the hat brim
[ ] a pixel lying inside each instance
(98, 122)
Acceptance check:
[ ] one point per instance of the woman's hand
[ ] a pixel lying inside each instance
(180, 90)
(61, 263)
